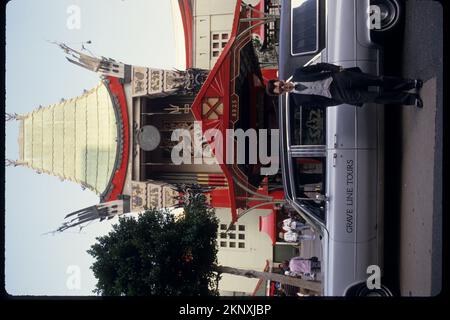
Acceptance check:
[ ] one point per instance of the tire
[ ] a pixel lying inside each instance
(366, 292)
(391, 26)
(390, 11)
(361, 290)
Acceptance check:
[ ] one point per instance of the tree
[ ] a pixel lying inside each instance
(154, 254)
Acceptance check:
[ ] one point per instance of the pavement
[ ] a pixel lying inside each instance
(420, 154)
(417, 268)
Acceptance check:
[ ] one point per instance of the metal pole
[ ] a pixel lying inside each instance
(251, 191)
(254, 26)
(260, 205)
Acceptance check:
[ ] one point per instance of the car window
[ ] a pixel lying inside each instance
(309, 178)
(307, 125)
(304, 27)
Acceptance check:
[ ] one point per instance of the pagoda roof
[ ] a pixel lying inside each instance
(218, 105)
(78, 139)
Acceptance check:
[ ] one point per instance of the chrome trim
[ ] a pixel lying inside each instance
(287, 119)
(308, 151)
(317, 31)
(309, 217)
(284, 153)
(288, 145)
(313, 59)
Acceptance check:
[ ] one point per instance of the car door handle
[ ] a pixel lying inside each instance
(322, 197)
(334, 159)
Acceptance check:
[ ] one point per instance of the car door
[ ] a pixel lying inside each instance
(304, 138)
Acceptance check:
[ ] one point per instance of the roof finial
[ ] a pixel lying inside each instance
(82, 218)
(11, 116)
(11, 163)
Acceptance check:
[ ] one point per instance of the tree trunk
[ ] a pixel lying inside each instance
(305, 284)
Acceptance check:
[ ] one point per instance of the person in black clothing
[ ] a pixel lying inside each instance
(325, 84)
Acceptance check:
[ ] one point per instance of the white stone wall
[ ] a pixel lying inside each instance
(210, 17)
(258, 249)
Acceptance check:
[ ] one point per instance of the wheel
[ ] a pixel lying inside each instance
(390, 13)
(361, 290)
(391, 22)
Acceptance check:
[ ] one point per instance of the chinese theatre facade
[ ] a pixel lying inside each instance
(116, 139)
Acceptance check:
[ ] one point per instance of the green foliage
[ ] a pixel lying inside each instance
(155, 255)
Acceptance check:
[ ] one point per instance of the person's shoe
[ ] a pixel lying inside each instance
(419, 102)
(418, 84)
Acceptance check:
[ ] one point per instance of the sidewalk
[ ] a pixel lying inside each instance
(420, 259)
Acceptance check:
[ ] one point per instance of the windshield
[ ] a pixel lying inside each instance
(304, 27)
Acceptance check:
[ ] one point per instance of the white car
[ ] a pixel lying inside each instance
(332, 158)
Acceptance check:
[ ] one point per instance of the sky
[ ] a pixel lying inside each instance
(138, 32)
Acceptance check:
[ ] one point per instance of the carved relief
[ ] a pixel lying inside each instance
(160, 82)
(155, 81)
(154, 198)
(172, 80)
(169, 197)
(138, 196)
(139, 81)
(184, 82)
(152, 195)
